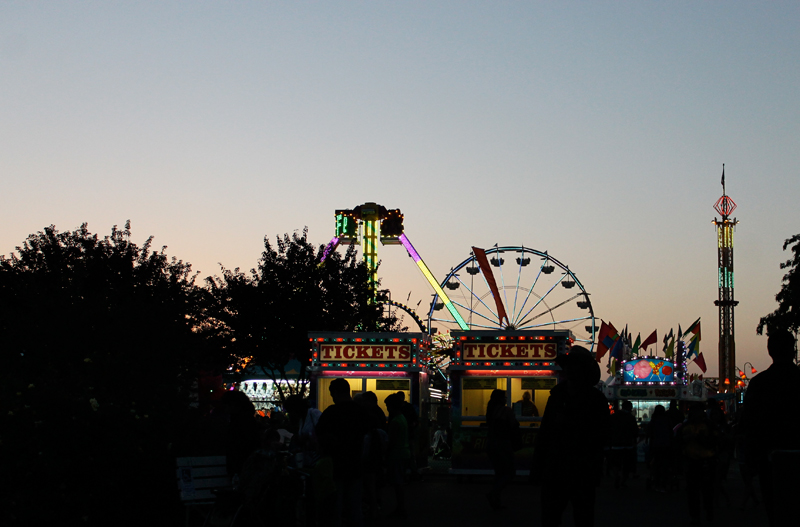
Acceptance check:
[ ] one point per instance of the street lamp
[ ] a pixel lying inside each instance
(752, 369)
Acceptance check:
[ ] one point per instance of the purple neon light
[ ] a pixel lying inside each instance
(331, 246)
(409, 248)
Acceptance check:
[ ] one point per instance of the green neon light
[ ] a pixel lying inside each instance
(436, 287)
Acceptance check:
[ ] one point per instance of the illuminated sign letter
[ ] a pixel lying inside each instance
(348, 352)
(405, 352)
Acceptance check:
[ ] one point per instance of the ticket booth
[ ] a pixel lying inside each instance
(382, 363)
(522, 363)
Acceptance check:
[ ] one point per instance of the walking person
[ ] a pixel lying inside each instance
(771, 421)
(568, 453)
(398, 453)
(503, 431)
(623, 434)
(341, 430)
(699, 441)
(659, 441)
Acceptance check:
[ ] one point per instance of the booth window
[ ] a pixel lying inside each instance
(381, 387)
(325, 399)
(385, 387)
(475, 393)
(537, 390)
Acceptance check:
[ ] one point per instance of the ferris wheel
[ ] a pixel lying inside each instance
(514, 288)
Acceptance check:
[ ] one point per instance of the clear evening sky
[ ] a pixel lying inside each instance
(596, 131)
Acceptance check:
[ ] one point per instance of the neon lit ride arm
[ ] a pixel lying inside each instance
(431, 280)
(332, 245)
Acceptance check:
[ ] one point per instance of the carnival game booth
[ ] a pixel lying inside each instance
(383, 363)
(519, 362)
(649, 381)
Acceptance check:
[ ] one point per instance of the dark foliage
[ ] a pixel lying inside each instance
(97, 354)
(264, 317)
(787, 315)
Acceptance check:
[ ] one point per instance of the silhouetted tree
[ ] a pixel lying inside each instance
(97, 354)
(788, 313)
(264, 317)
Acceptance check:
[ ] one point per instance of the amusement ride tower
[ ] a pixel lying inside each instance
(727, 346)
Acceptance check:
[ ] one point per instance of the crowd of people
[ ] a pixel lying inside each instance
(357, 457)
(351, 453)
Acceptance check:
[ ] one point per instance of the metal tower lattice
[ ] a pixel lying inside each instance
(727, 345)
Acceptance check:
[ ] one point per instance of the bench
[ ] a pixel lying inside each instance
(197, 477)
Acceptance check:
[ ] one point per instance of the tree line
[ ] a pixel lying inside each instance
(102, 340)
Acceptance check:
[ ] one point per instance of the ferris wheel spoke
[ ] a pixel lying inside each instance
(553, 323)
(476, 312)
(541, 299)
(522, 308)
(551, 309)
(479, 299)
(486, 327)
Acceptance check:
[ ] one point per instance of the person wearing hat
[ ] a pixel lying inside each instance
(568, 452)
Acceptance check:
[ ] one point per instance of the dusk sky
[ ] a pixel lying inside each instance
(596, 131)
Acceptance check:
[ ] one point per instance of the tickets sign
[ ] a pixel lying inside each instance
(513, 351)
(358, 352)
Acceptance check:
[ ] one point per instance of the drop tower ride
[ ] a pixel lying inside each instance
(727, 345)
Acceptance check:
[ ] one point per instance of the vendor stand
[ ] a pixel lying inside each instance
(382, 363)
(514, 361)
(649, 381)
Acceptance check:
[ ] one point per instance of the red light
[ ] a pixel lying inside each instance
(395, 340)
(382, 365)
(526, 364)
(754, 371)
(320, 340)
(540, 338)
(463, 338)
(339, 340)
(358, 339)
(487, 364)
(506, 364)
(727, 381)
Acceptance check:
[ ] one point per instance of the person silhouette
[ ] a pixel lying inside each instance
(340, 430)
(771, 417)
(527, 406)
(568, 451)
(503, 426)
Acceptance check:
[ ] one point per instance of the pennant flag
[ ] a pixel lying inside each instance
(652, 339)
(666, 340)
(612, 366)
(694, 346)
(616, 351)
(722, 181)
(605, 339)
(637, 344)
(694, 328)
(680, 333)
(700, 361)
(670, 351)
